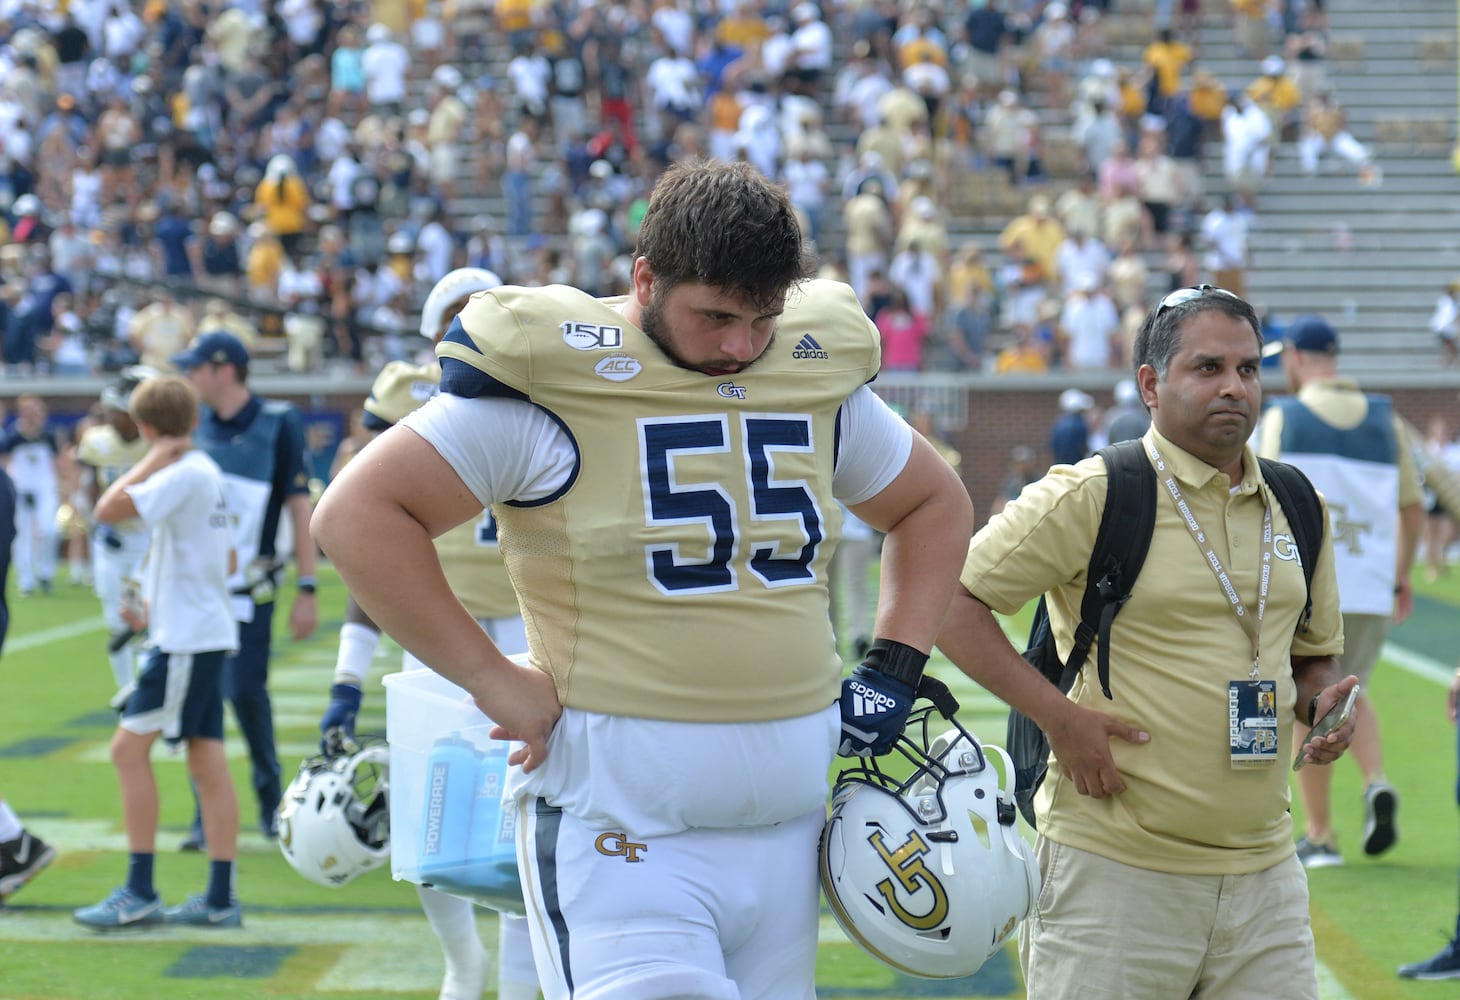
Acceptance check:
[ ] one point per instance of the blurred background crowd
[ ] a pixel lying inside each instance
(300, 172)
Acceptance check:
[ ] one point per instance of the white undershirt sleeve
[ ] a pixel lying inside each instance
(503, 449)
(875, 446)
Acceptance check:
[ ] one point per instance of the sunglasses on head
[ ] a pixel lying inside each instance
(1184, 295)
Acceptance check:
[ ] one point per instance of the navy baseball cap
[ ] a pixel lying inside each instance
(216, 348)
(1306, 333)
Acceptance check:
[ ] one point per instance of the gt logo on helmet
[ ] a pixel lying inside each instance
(912, 874)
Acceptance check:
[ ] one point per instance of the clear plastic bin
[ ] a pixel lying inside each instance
(448, 827)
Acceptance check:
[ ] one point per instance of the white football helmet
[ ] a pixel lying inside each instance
(117, 394)
(334, 821)
(450, 293)
(928, 873)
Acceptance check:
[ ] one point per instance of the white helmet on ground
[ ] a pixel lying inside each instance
(929, 873)
(449, 294)
(334, 821)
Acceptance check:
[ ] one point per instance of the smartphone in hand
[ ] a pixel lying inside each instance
(1332, 719)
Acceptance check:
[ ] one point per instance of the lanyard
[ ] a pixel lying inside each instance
(1251, 624)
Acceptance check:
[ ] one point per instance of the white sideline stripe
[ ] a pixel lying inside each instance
(58, 633)
(1418, 664)
(1329, 988)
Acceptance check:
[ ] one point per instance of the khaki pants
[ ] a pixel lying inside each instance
(1107, 931)
(1233, 279)
(1363, 639)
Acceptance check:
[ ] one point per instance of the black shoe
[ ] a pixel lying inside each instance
(21, 860)
(1381, 802)
(1445, 965)
(194, 842)
(269, 827)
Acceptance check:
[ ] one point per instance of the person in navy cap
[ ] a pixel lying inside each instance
(259, 444)
(1351, 445)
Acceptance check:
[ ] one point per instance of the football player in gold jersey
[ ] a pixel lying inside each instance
(663, 467)
(479, 581)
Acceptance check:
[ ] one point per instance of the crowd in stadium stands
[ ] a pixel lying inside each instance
(301, 171)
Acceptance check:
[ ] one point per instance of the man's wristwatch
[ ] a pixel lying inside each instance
(306, 585)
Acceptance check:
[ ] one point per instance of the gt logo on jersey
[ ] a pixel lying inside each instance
(913, 876)
(617, 845)
(593, 337)
(1285, 549)
(731, 391)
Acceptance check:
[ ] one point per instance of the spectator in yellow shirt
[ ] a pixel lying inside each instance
(283, 202)
(515, 20)
(1277, 93)
(1023, 356)
(1038, 232)
(1207, 98)
(1131, 87)
(264, 262)
(744, 29)
(968, 271)
(1167, 58)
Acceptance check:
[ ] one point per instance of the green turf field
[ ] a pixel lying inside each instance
(369, 939)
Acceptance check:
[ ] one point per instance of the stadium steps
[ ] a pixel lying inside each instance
(1373, 260)
(1393, 68)
(1405, 234)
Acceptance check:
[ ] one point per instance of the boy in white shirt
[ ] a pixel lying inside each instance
(177, 492)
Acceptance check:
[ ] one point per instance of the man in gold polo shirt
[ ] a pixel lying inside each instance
(1165, 842)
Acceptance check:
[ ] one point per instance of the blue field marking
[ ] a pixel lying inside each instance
(104, 718)
(233, 962)
(1429, 630)
(37, 746)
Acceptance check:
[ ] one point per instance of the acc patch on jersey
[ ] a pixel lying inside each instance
(618, 367)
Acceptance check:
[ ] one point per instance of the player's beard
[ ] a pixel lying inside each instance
(656, 328)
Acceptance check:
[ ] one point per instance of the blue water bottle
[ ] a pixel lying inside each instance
(451, 771)
(493, 826)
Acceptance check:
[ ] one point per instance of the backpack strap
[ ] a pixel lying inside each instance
(1120, 550)
(1299, 501)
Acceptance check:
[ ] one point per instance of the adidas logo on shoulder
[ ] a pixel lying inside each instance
(808, 348)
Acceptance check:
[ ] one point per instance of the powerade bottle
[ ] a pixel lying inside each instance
(493, 824)
(451, 772)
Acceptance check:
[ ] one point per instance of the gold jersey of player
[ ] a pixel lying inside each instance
(680, 573)
(110, 454)
(469, 554)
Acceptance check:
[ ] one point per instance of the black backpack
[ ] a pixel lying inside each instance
(1120, 549)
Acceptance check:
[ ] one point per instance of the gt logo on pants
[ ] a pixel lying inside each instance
(615, 845)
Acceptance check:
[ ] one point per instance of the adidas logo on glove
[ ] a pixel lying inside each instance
(869, 701)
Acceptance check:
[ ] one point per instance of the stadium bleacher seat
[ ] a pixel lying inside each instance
(1394, 130)
(1347, 50)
